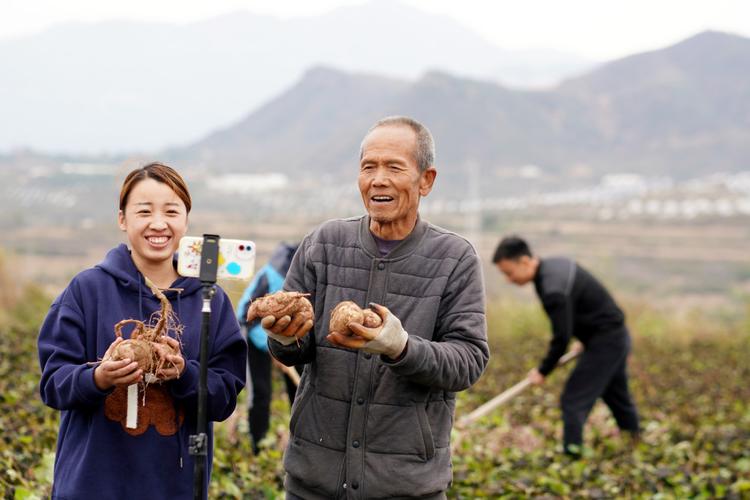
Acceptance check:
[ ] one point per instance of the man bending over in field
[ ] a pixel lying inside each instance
(577, 305)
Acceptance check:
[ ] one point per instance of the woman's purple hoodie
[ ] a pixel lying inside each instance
(96, 457)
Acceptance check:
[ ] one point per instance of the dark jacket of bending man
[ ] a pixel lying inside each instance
(578, 306)
(374, 411)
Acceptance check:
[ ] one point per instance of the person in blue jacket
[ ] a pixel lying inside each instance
(269, 279)
(101, 451)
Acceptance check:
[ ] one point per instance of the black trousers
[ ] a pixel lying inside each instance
(261, 369)
(601, 372)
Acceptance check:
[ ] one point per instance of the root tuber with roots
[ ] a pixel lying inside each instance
(145, 337)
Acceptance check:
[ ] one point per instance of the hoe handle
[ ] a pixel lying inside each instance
(507, 395)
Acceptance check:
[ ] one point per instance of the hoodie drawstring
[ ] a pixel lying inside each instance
(175, 405)
(140, 296)
(177, 411)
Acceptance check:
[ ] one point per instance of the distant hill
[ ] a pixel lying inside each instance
(683, 109)
(120, 86)
(680, 111)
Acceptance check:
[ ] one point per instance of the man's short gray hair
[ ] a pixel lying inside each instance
(425, 153)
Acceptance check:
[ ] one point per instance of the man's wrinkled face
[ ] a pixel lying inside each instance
(519, 271)
(389, 178)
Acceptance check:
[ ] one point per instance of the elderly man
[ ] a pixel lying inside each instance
(373, 414)
(577, 305)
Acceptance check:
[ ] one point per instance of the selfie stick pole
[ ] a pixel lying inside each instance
(198, 443)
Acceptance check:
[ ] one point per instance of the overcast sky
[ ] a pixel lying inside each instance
(595, 29)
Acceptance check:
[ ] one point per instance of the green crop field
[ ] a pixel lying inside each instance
(689, 377)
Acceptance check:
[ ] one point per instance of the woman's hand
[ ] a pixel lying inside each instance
(111, 373)
(172, 364)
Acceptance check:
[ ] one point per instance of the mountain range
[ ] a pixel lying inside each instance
(124, 86)
(680, 111)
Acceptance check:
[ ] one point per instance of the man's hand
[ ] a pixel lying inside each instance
(577, 347)
(174, 364)
(389, 338)
(111, 373)
(535, 377)
(286, 330)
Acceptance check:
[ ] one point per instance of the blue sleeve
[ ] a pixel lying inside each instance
(257, 288)
(67, 380)
(300, 278)
(226, 364)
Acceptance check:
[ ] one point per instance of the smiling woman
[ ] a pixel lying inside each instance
(117, 425)
(154, 207)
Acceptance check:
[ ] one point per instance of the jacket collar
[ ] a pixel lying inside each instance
(538, 275)
(405, 248)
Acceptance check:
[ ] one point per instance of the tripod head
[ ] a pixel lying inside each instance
(209, 259)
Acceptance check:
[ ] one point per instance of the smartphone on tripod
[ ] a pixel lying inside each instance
(236, 258)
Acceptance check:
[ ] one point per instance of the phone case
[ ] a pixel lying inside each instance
(236, 258)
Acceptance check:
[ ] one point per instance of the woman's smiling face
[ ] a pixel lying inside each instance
(155, 218)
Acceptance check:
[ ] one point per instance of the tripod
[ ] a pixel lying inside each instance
(198, 442)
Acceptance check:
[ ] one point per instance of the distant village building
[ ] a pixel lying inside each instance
(248, 183)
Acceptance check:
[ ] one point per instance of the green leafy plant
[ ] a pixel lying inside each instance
(689, 377)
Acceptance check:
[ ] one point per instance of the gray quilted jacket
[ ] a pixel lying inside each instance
(361, 426)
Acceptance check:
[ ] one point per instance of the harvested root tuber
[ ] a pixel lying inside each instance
(141, 346)
(280, 304)
(134, 348)
(348, 312)
(344, 313)
(372, 320)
